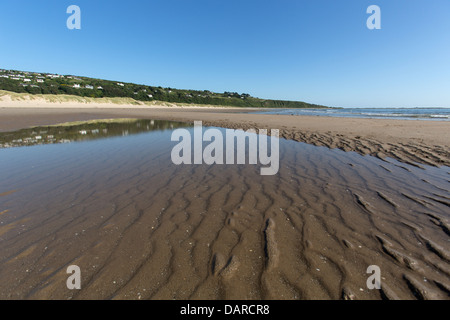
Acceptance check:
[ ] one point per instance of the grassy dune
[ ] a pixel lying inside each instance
(63, 98)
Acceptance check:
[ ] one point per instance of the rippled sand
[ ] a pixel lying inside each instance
(141, 228)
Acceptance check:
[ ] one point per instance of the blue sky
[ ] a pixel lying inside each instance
(319, 51)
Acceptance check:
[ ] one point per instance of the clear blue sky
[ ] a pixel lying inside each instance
(319, 51)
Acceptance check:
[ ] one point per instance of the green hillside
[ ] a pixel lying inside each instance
(44, 83)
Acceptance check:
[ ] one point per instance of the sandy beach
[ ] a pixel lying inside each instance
(355, 193)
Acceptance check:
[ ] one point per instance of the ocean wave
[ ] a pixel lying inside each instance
(441, 114)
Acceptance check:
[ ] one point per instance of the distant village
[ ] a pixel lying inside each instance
(33, 79)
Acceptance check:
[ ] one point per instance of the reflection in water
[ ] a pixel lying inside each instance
(83, 131)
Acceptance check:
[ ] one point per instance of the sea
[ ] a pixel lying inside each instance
(433, 114)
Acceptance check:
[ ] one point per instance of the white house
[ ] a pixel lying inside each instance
(40, 80)
(100, 88)
(120, 84)
(26, 80)
(89, 87)
(77, 86)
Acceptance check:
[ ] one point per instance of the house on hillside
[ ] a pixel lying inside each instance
(76, 86)
(89, 87)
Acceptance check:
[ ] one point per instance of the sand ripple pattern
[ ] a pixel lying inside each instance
(142, 228)
(414, 153)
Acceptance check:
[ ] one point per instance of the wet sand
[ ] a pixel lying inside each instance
(142, 228)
